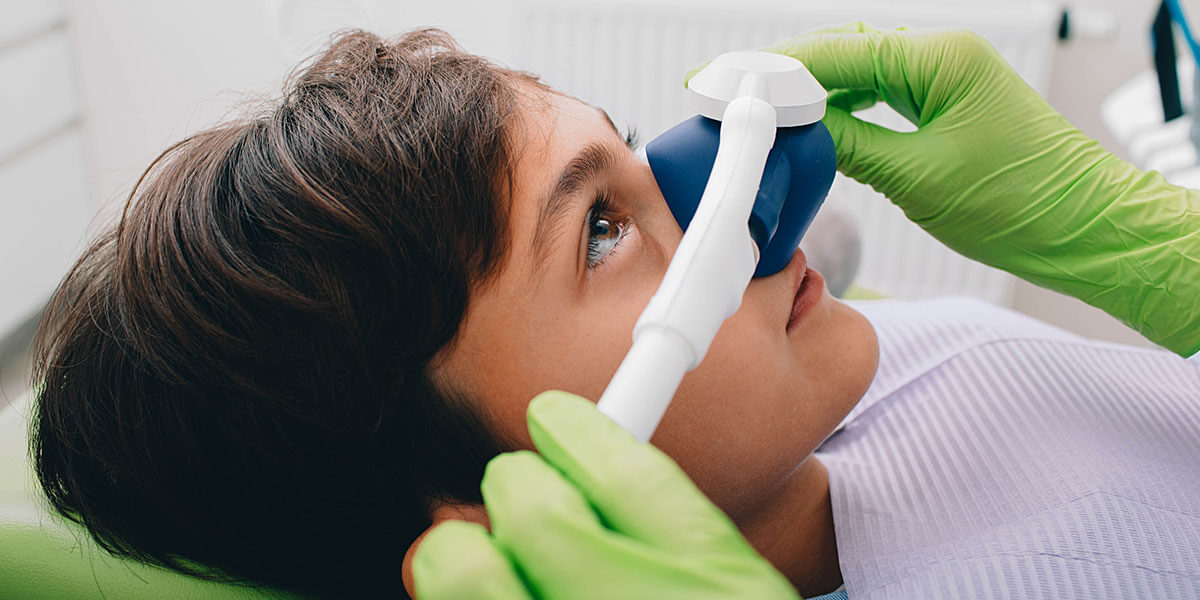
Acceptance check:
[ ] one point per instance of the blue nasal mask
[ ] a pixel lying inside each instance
(744, 179)
(795, 181)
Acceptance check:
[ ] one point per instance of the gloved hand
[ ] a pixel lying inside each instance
(996, 174)
(596, 515)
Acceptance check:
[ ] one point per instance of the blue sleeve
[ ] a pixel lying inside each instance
(840, 594)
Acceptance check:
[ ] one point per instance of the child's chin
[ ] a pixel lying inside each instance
(860, 349)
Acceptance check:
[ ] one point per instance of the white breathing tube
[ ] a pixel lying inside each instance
(707, 276)
(716, 258)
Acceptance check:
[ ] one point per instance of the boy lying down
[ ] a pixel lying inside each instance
(313, 327)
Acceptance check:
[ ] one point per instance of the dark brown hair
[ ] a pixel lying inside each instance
(235, 381)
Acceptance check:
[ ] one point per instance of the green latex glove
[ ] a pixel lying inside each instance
(996, 174)
(596, 515)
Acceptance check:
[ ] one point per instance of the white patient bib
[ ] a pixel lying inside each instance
(997, 457)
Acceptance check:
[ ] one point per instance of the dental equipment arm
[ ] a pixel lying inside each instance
(594, 515)
(736, 222)
(996, 174)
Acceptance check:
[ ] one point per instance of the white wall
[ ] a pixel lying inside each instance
(43, 200)
(153, 71)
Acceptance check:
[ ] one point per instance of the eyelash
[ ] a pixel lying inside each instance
(631, 138)
(602, 209)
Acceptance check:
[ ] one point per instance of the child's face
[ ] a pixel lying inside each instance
(560, 315)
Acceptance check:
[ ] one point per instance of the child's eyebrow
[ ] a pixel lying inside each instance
(593, 159)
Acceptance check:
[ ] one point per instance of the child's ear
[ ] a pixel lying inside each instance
(474, 513)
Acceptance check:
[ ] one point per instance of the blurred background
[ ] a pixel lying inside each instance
(93, 90)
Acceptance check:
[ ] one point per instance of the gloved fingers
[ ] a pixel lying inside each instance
(785, 46)
(852, 100)
(857, 60)
(781, 47)
(638, 491)
(692, 72)
(459, 560)
(528, 501)
(548, 528)
(851, 27)
(862, 147)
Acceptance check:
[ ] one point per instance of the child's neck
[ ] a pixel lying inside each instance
(794, 530)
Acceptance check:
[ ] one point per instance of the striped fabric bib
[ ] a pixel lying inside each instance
(997, 457)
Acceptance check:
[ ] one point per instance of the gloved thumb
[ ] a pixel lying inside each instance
(863, 149)
(852, 100)
(638, 490)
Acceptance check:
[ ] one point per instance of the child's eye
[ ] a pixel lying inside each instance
(604, 232)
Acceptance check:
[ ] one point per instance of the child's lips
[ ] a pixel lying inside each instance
(808, 288)
(811, 288)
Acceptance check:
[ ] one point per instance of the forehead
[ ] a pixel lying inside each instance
(551, 128)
